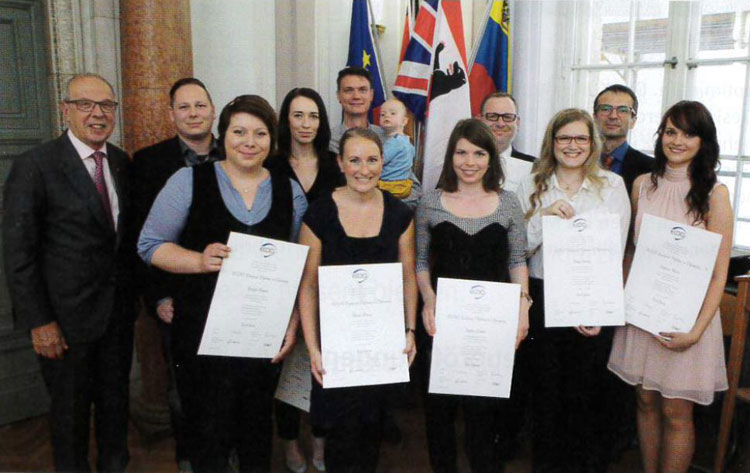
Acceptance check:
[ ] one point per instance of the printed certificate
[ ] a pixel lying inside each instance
(475, 341)
(670, 274)
(295, 382)
(254, 297)
(362, 325)
(583, 271)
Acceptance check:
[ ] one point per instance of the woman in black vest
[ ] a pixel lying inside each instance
(303, 155)
(227, 401)
(356, 224)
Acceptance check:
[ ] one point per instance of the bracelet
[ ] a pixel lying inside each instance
(525, 295)
(410, 330)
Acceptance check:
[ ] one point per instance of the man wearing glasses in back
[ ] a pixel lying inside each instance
(499, 112)
(68, 268)
(615, 112)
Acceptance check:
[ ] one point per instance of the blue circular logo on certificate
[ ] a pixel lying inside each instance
(359, 275)
(678, 233)
(267, 249)
(580, 224)
(477, 291)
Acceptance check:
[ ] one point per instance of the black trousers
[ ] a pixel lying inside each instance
(573, 412)
(95, 373)
(353, 423)
(288, 421)
(228, 404)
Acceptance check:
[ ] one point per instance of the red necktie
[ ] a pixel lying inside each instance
(607, 161)
(101, 184)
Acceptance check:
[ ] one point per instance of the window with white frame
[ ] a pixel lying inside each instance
(669, 51)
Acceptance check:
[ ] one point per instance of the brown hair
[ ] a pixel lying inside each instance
(478, 134)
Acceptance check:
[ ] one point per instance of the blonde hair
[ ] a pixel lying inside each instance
(546, 164)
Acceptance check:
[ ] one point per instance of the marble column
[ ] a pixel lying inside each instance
(156, 50)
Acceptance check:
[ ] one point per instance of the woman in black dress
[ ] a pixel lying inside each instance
(468, 228)
(303, 155)
(356, 224)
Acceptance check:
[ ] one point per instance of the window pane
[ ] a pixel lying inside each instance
(649, 85)
(651, 31)
(609, 33)
(742, 234)
(722, 90)
(728, 164)
(598, 80)
(725, 28)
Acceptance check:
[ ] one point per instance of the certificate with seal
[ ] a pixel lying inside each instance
(475, 342)
(295, 382)
(671, 270)
(254, 297)
(362, 333)
(583, 270)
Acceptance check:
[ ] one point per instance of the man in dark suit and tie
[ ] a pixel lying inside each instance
(615, 112)
(500, 112)
(68, 270)
(192, 113)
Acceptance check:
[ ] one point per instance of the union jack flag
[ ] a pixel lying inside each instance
(413, 82)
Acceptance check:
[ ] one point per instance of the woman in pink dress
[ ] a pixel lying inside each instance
(673, 371)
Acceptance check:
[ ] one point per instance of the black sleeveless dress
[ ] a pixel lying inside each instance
(352, 416)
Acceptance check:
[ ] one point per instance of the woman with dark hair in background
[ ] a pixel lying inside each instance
(227, 401)
(468, 228)
(356, 224)
(674, 371)
(570, 430)
(303, 155)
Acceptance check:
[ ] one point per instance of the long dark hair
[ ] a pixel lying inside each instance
(478, 134)
(693, 118)
(320, 143)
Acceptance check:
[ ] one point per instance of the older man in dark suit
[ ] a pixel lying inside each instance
(615, 112)
(192, 113)
(68, 271)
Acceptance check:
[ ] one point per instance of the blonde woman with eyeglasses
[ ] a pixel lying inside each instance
(570, 380)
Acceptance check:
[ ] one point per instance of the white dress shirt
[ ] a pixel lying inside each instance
(85, 152)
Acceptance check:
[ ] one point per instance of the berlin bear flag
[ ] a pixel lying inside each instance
(435, 61)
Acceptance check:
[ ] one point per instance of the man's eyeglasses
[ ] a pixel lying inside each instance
(85, 105)
(622, 110)
(566, 140)
(507, 117)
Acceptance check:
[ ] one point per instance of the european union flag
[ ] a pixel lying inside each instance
(362, 52)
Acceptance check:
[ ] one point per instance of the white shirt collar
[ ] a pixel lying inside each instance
(585, 186)
(84, 150)
(506, 154)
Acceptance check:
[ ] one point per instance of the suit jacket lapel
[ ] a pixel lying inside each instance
(72, 166)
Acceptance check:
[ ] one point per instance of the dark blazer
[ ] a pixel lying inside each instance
(63, 260)
(152, 167)
(635, 164)
(514, 153)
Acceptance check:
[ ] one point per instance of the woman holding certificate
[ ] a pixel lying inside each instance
(673, 371)
(227, 400)
(570, 379)
(355, 225)
(468, 228)
(303, 155)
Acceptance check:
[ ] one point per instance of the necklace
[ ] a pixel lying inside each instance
(566, 186)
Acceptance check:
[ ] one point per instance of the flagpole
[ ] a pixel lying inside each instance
(376, 44)
(478, 39)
